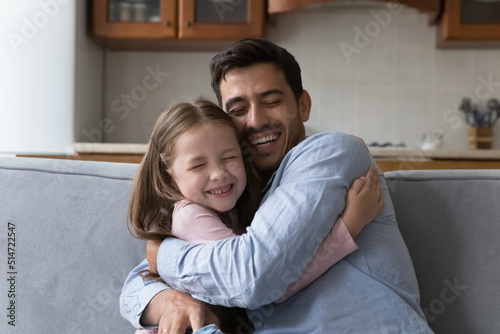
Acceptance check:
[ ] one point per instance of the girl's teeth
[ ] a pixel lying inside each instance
(221, 191)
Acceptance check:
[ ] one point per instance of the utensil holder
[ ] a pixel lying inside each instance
(481, 138)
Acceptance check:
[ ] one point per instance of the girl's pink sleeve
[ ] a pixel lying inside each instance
(198, 225)
(337, 245)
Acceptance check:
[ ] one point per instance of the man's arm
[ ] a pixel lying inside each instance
(153, 304)
(338, 244)
(145, 304)
(194, 223)
(136, 295)
(306, 195)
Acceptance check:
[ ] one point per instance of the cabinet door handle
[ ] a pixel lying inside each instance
(187, 23)
(166, 23)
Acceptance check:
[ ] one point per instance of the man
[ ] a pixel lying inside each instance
(373, 290)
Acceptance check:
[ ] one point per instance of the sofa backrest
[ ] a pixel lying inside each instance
(72, 248)
(450, 221)
(73, 252)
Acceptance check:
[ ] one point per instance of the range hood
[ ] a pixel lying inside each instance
(280, 6)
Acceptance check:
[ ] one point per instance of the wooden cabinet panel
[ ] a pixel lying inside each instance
(180, 24)
(230, 20)
(469, 23)
(105, 29)
(279, 6)
(395, 165)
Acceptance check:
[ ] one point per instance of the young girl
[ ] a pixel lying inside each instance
(193, 184)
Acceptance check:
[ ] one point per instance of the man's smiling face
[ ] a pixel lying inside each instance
(265, 111)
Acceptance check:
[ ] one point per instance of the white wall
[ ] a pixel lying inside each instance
(395, 88)
(37, 76)
(139, 85)
(89, 80)
(392, 86)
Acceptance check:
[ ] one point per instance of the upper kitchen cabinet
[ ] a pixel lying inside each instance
(175, 24)
(469, 23)
(279, 6)
(118, 23)
(221, 20)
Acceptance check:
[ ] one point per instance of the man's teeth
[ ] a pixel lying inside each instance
(220, 191)
(263, 140)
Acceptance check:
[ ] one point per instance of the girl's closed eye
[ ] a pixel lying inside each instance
(197, 167)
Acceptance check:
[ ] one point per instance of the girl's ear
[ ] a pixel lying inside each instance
(170, 177)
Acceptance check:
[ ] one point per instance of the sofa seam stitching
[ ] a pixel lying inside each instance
(67, 173)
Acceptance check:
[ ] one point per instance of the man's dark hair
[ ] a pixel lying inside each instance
(248, 52)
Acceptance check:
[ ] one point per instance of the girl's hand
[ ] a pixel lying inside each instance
(364, 201)
(152, 249)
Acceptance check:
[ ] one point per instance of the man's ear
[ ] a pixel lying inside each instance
(304, 106)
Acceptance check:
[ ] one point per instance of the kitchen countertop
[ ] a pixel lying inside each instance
(377, 153)
(418, 154)
(111, 148)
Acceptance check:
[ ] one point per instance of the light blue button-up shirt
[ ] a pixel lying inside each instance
(373, 290)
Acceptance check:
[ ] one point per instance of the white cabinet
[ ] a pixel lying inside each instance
(50, 77)
(37, 76)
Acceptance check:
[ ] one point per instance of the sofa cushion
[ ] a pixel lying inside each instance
(73, 250)
(450, 223)
(72, 247)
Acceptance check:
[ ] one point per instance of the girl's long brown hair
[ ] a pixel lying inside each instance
(154, 193)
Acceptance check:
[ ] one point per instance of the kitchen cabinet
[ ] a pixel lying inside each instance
(279, 6)
(175, 24)
(469, 23)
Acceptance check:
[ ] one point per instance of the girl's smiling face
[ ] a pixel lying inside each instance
(208, 167)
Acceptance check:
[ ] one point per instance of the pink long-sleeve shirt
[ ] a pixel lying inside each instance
(195, 223)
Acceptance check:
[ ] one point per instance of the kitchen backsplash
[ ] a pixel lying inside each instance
(370, 72)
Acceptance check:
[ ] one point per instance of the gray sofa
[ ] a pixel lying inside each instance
(73, 251)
